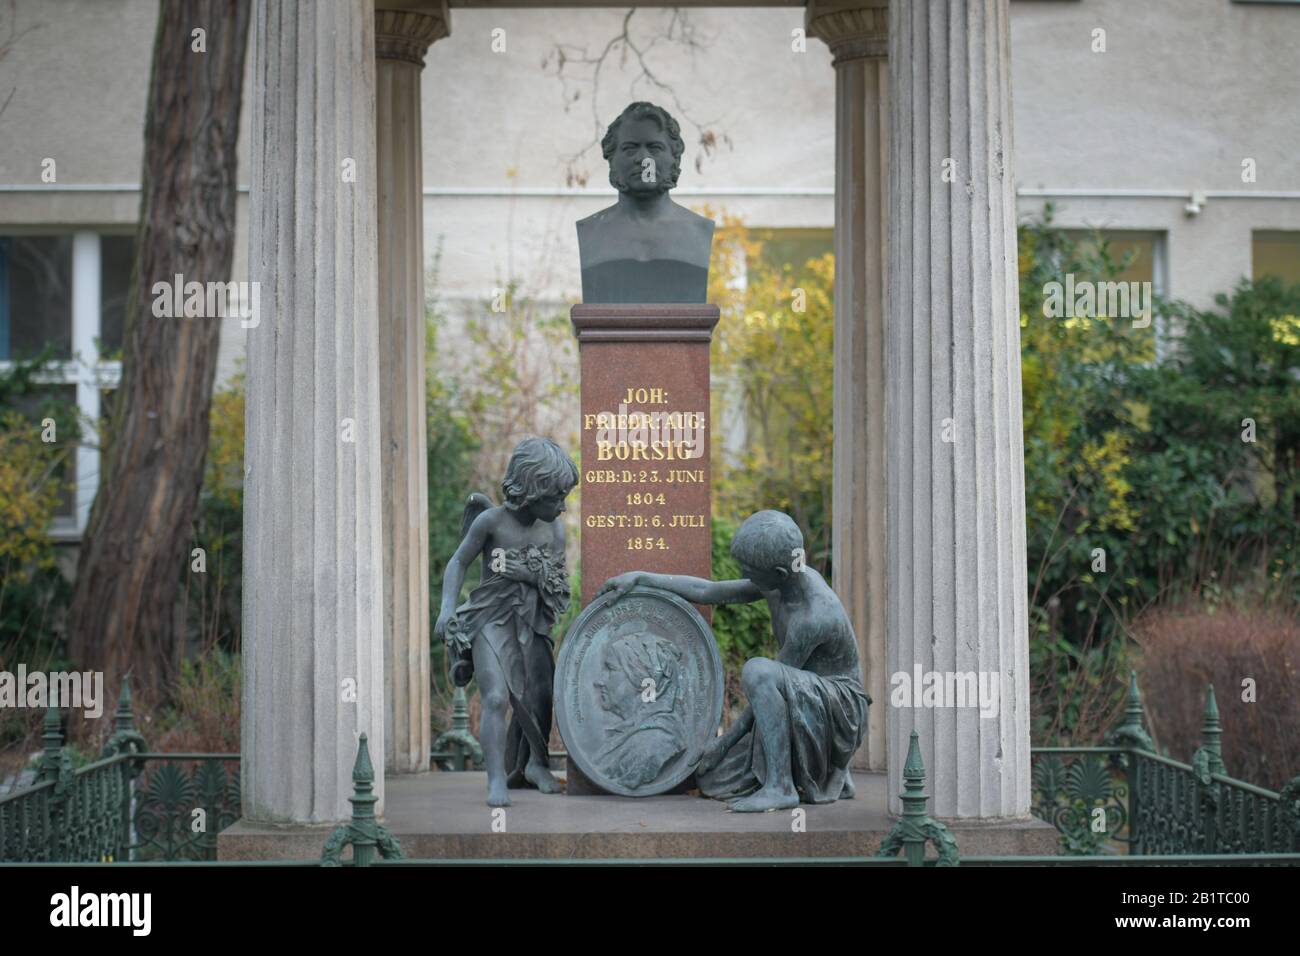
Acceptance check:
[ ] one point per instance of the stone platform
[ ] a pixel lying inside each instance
(444, 816)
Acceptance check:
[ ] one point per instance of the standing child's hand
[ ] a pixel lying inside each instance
(516, 569)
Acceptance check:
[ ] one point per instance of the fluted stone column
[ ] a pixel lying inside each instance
(857, 33)
(956, 533)
(313, 612)
(401, 39)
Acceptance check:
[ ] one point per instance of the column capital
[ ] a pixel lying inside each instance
(853, 29)
(404, 29)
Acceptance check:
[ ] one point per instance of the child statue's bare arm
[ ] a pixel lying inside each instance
(470, 548)
(695, 590)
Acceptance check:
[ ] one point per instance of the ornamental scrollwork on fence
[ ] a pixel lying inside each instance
(1085, 797)
(178, 815)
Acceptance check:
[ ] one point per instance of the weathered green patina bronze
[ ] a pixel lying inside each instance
(1126, 798)
(363, 832)
(916, 828)
(1165, 814)
(807, 709)
(645, 247)
(502, 633)
(456, 748)
(638, 692)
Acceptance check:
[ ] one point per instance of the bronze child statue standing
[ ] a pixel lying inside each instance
(502, 633)
(807, 709)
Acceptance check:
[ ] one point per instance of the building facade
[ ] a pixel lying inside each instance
(854, 133)
(1174, 131)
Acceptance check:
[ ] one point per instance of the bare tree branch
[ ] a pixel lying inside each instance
(680, 29)
(7, 41)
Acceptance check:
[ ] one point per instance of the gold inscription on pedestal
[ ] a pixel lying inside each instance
(645, 501)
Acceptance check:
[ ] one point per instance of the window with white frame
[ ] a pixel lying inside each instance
(1141, 253)
(67, 291)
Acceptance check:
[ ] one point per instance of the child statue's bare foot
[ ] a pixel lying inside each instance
(497, 795)
(542, 779)
(850, 790)
(769, 798)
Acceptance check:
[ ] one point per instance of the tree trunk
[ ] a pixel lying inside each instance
(138, 539)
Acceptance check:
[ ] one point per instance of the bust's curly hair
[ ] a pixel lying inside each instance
(644, 110)
(538, 468)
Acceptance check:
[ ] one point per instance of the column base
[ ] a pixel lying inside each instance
(444, 816)
(243, 840)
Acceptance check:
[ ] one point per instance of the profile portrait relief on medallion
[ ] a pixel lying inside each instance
(645, 248)
(639, 692)
(638, 686)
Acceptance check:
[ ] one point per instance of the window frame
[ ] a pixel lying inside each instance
(86, 370)
(1264, 234)
(1159, 272)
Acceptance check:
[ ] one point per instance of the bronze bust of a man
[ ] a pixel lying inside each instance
(645, 247)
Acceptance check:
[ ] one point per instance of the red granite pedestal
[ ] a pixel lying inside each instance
(646, 484)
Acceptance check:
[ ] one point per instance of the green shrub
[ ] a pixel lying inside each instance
(777, 362)
(202, 714)
(211, 600)
(33, 480)
(1140, 462)
(742, 630)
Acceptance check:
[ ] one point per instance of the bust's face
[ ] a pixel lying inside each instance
(638, 140)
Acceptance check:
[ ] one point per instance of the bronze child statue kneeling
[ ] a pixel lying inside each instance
(502, 633)
(807, 710)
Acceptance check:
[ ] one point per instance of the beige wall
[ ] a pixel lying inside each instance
(1186, 89)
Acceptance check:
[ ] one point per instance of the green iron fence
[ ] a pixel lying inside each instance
(1124, 798)
(129, 804)
(1115, 804)
(905, 844)
(74, 816)
(182, 803)
(457, 748)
